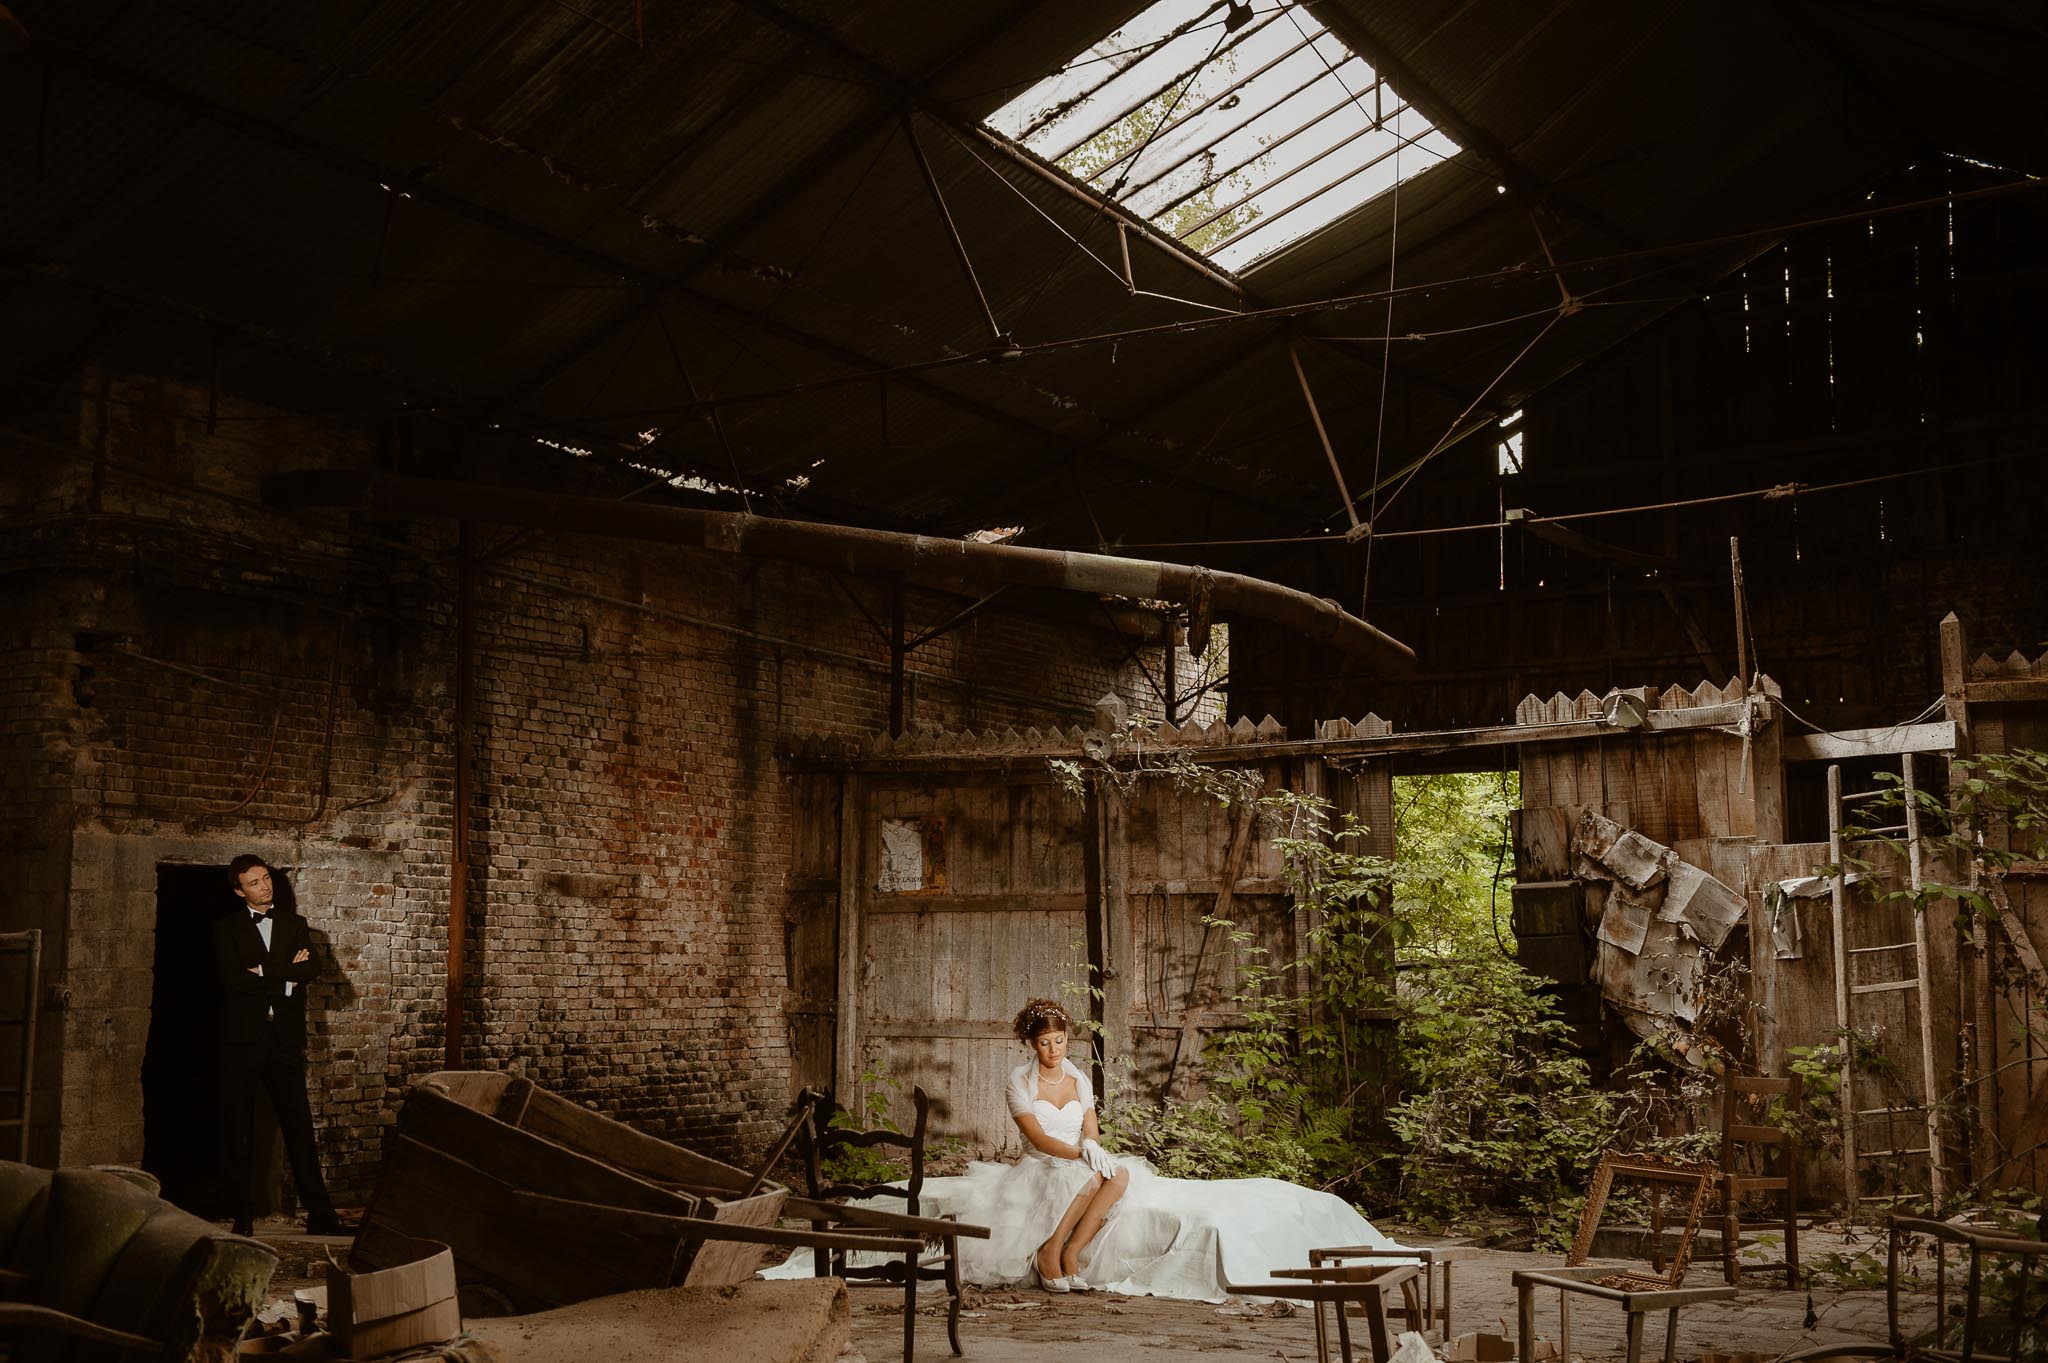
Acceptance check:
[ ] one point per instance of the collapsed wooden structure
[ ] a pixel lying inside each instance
(546, 1203)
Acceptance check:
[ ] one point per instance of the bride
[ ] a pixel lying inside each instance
(1070, 1216)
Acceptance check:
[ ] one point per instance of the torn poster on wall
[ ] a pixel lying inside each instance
(1662, 916)
(1781, 902)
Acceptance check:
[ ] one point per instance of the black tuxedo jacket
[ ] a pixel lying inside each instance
(254, 1007)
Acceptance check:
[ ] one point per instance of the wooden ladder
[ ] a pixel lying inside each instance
(22, 952)
(1848, 994)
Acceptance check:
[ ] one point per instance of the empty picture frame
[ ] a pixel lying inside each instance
(1691, 1182)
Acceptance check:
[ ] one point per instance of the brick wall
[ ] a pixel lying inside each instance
(195, 675)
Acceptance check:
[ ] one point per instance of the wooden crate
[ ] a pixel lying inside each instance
(536, 1196)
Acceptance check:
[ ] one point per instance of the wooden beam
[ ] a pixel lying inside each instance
(977, 903)
(852, 843)
(1687, 720)
(1955, 679)
(2006, 690)
(1849, 744)
(1564, 537)
(1708, 658)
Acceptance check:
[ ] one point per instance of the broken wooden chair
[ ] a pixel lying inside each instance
(2002, 1317)
(1344, 1286)
(1422, 1305)
(935, 1259)
(1637, 1294)
(1747, 1147)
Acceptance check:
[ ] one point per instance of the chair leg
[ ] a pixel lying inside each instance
(953, 1292)
(1671, 1335)
(1731, 1239)
(1411, 1307)
(1635, 1337)
(1376, 1322)
(1525, 1321)
(909, 1305)
(1343, 1334)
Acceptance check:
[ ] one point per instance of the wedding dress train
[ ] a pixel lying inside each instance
(1166, 1237)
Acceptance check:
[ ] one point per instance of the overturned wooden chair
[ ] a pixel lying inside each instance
(937, 1257)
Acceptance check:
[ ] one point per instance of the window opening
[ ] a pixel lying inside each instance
(1235, 128)
(1510, 447)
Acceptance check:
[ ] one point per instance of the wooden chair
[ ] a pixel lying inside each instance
(1636, 1293)
(938, 1257)
(1344, 1285)
(1744, 1099)
(1425, 1309)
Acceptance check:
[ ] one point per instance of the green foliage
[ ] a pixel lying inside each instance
(1996, 813)
(1450, 839)
(865, 1164)
(1500, 1111)
(1205, 1138)
(1817, 1120)
(1101, 154)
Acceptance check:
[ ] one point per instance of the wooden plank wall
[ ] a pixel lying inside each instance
(943, 970)
(2014, 1097)
(1176, 844)
(1037, 886)
(1670, 787)
(2017, 1093)
(810, 929)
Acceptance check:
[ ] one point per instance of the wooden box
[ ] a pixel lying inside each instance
(537, 1197)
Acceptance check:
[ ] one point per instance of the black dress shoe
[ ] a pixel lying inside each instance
(242, 1227)
(330, 1224)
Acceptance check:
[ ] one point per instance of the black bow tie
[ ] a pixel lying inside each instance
(255, 917)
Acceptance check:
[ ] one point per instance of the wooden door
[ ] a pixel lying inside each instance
(963, 896)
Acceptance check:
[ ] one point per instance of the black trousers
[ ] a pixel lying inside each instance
(281, 1072)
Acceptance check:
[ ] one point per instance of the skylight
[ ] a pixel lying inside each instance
(1234, 127)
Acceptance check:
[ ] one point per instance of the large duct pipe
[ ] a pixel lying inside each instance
(939, 562)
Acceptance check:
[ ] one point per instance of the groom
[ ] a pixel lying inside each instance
(265, 961)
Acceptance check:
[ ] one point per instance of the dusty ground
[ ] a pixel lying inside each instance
(1031, 1326)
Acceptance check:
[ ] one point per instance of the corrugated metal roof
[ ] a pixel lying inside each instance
(744, 176)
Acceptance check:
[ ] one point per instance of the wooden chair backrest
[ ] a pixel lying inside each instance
(822, 1140)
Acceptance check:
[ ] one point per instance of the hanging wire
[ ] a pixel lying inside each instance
(1775, 492)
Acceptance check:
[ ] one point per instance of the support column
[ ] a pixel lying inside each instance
(458, 850)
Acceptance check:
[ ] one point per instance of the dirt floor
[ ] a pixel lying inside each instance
(1032, 1326)
(1029, 1326)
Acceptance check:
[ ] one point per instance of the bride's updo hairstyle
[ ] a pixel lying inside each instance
(1040, 1016)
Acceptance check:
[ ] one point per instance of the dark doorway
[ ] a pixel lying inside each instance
(181, 1118)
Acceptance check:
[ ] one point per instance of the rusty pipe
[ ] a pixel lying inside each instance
(952, 563)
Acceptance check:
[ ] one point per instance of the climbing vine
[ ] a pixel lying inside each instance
(1440, 1089)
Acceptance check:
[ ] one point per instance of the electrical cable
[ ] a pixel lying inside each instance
(1451, 436)
(1775, 492)
(1937, 703)
(1387, 350)
(1500, 857)
(1342, 302)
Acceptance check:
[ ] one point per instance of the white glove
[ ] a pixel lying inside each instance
(1098, 1159)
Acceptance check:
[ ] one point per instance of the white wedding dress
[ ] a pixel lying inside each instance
(1166, 1237)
